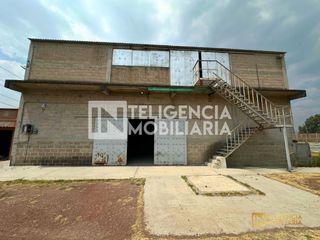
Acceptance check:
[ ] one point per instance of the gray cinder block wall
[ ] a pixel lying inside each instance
(62, 136)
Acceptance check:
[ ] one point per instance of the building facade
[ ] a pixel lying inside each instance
(63, 76)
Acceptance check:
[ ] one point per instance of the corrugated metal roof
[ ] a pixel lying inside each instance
(154, 46)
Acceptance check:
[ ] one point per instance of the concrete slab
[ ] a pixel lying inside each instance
(4, 163)
(307, 169)
(87, 173)
(172, 208)
(314, 146)
(216, 185)
(54, 173)
(266, 170)
(173, 171)
(270, 170)
(50, 173)
(233, 171)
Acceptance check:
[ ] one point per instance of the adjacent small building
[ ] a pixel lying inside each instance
(63, 76)
(8, 117)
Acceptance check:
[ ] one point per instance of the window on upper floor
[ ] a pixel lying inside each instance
(181, 67)
(140, 58)
(182, 63)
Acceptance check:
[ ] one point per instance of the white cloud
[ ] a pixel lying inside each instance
(105, 25)
(9, 70)
(164, 11)
(17, 72)
(13, 47)
(77, 30)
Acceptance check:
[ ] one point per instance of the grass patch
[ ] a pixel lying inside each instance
(194, 189)
(61, 182)
(309, 182)
(315, 160)
(139, 227)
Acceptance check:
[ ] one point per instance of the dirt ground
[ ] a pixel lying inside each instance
(69, 210)
(306, 181)
(110, 209)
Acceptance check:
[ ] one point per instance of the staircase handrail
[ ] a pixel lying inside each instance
(285, 115)
(243, 126)
(271, 109)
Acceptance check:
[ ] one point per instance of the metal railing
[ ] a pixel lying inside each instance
(284, 116)
(239, 135)
(215, 71)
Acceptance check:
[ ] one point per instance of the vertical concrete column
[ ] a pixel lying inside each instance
(284, 72)
(285, 137)
(29, 62)
(109, 64)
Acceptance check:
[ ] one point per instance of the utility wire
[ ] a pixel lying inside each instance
(9, 97)
(5, 95)
(9, 105)
(9, 71)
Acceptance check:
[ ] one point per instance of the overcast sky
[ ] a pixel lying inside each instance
(287, 25)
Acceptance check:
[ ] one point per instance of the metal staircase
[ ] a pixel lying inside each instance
(257, 107)
(240, 134)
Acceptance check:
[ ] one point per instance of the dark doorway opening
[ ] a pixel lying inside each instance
(141, 143)
(5, 146)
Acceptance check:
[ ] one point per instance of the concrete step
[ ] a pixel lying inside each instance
(217, 162)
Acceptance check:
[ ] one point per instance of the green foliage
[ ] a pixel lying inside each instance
(311, 125)
(315, 161)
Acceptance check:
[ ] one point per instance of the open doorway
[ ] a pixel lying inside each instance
(5, 146)
(141, 143)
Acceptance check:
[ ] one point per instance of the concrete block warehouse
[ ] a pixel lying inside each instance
(63, 76)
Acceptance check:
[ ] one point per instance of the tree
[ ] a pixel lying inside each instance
(311, 125)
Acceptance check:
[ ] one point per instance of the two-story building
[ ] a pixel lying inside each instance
(63, 76)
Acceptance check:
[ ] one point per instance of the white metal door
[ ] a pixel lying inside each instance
(181, 67)
(209, 69)
(212, 68)
(223, 58)
(170, 148)
(112, 151)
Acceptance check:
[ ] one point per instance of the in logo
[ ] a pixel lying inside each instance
(107, 120)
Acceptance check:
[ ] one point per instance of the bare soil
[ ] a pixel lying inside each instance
(306, 181)
(68, 210)
(93, 210)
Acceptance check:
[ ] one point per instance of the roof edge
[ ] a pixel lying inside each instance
(141, 45)
(10, 109)
(44, 81)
